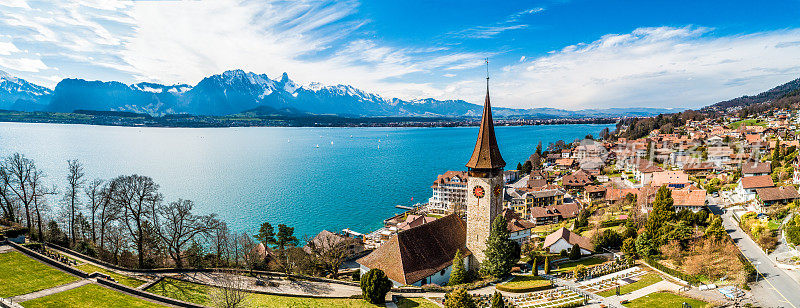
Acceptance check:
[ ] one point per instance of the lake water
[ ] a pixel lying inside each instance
(309, 178)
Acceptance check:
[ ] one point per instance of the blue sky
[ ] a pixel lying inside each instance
(562, 54)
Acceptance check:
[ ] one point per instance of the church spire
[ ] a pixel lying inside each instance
(486, 154)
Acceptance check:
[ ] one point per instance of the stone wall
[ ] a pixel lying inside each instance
(481, 212)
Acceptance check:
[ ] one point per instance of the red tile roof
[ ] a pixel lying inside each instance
(419, 252)
(777, 193)
(761, 181)
(570, 237)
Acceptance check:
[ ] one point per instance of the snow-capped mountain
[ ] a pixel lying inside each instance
(19, 94)
(237, 91)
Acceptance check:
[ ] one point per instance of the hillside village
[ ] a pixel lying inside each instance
(699, 213)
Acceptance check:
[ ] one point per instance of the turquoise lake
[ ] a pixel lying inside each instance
(308, 178)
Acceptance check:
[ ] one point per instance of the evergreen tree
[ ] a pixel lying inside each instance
(374, 286)
(575, 252)
(547, 265)
(458, 275)
(497, 300)
(526, 167)
(500, 250)
(539, 149)
(534, 265)
(629, 247)
(519, 167)
(645, 245)
(459, 299)
(266, 234)
(663, 212)
(715, 230)
(285, 237)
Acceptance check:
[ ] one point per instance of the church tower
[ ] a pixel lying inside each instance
(484, 184)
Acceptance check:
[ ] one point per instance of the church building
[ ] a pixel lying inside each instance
(424, 254)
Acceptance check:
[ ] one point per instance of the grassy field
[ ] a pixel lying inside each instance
(22, 275)
(199, 294)
(412, 302)
(122, 279)
(569, 266)
(525, 283)
(665, 300)
(90, 295)
(643, 281)
(748, 122)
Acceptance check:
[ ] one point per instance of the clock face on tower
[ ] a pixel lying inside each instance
(478, 192)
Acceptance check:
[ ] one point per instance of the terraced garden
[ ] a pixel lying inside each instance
(643, 281)
(200, 294)
(122, 279)
(664, 300)
(90, 295)
(22, 275)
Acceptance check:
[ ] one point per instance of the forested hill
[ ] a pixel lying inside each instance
(748, 100)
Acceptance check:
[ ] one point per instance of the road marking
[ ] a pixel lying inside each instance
(773, 287)
(736, 229)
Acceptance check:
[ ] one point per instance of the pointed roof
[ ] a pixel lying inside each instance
(486, 154)
(421, 251)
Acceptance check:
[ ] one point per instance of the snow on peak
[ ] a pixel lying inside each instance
(8, 77)
(314, 86)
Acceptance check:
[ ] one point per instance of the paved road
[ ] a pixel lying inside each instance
(783, 290)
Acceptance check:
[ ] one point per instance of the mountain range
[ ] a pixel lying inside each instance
(237, 91)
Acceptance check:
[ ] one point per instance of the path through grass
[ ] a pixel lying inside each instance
(20, 274)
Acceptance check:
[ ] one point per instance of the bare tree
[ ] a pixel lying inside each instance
(17, 170)
(117, 241)
(109, 211)
(75, 182)
(229, 292)
(39, 198)
(246, 251)
(180, 226)
(328, 250)
(94, 191)
(220, 243)
(135, 195)
(7, 200)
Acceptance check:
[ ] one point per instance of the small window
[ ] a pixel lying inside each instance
(441, 273)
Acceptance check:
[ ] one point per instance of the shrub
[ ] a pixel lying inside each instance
(458, 274)
(575, 252)
(459, 299)
(375, 285)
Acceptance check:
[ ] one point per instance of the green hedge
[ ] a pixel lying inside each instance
(612, 223)
(527, 284)
(688, 278)
(522, 289)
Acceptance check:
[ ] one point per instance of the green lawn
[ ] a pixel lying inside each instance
(569, 266)
(664, 299)
(199, 294)
(90, 295)
(643, 281)
(122, 279)
(525, 283)
(415, 302)
(747, 122)
(22, 275)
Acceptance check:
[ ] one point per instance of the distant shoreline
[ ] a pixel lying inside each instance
(127, 119)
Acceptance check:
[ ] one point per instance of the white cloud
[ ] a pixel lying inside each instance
(649, 67)
(318, 40)
(510, 23)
